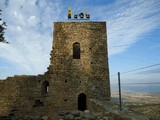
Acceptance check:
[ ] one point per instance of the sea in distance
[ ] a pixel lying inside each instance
(146, 88)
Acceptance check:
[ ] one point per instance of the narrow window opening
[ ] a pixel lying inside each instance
(76, 51)
(66, 81)
(45, 87)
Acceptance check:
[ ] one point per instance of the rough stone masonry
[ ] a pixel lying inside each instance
(77, 75)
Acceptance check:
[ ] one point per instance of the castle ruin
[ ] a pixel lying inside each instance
(78, 74)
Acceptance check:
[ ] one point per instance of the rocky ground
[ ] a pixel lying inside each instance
(135, 106)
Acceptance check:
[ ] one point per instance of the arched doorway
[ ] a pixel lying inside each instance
(82, 102)
(76, 51)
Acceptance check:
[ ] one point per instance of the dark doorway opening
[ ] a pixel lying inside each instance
(82, 102)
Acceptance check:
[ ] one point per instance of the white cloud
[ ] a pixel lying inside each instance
(18, 28)
(30, 42)
(130, 22)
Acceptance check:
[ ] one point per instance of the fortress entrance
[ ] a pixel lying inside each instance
(82, 102)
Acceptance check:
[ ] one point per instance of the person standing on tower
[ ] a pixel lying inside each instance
(69, 13)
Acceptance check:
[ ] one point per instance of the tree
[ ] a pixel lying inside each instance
(3, 27)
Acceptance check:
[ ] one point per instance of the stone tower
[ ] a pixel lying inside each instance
(79, 64)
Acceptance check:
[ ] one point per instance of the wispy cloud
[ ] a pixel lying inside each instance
(29, 32)
(30, 27)
(128, 21)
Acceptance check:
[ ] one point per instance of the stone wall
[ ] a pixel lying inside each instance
(18, 95)
(70, 83)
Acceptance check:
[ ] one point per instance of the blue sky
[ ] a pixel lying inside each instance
(133, 30)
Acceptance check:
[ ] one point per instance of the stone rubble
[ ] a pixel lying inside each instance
(86, 115)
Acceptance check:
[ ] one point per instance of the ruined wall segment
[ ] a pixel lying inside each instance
(23, 95)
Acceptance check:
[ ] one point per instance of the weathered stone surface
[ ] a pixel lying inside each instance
(77, 113)
(78, 72)
(45, 118)
(86, 113)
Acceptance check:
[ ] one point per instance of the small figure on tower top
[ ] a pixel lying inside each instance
(69, 13)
